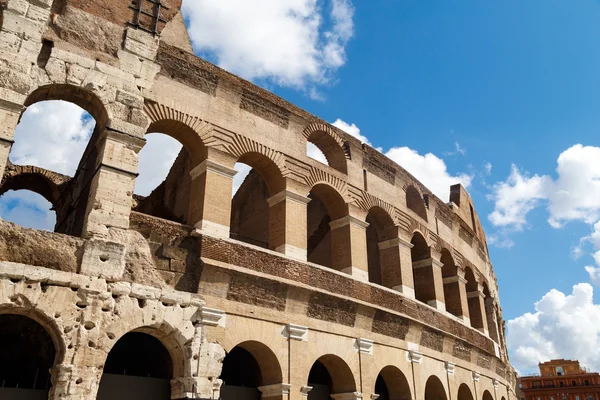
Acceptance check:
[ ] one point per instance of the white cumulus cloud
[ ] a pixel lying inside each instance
(52, 135)
(573, 196)
(28, 209)
(294, 43)
(351, 129)
(429, 169)
(562, 326)
(516, 197)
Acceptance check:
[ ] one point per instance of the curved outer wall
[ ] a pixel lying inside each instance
(418, 296)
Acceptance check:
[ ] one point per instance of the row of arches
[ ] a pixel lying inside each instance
(139, 367)
(313, 223)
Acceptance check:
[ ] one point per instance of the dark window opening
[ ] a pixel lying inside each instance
(321, 382)
(26, 354)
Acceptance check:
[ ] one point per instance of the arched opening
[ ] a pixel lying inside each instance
(163, 187)
(434, 389)
(422, 270)
(487, 395)
(139, 367)
(252, 219)
(27, 356)
(451, 284)
(325, 207)
(27, 209)
(383, 265)
(474, 300)
(57, 133)
(247, 368)
(330, 375)
(329, 148)
(391, 384)
(464, 393)
(415, 202)
(490, 313)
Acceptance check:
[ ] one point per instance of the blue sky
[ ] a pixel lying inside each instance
(512, 84)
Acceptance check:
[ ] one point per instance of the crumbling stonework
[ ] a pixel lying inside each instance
(349, 280)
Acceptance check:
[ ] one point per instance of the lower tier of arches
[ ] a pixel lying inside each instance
(68, 336)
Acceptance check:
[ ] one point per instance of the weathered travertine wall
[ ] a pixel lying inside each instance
(353, 267)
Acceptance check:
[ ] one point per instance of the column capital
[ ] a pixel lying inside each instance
(213, 317)
(475, 293)
(450, 367)
(348, 220)
(278, 389)
(415, 357)
(428, 262)
(297, 332)
(364, 346)
(208, 165)
(476, 375)
(454, 279)
(395, 242)
(304, 391)
(287, 195)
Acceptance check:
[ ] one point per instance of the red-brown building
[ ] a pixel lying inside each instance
(560, 380)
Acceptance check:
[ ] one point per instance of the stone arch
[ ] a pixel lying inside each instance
(452, 291)
(173, 337)
(45, 321)
(326, 206)
(487, 395)
(330, 375)
(329, 142)
(252, 219)
(85, 99)
(185, 134)
(434, 389)
(422, 269)
(248, 368)
(139, 360)
(382, 263)
(415, 202)
(38, 180)
(392, 384)
(474, 299)
(267, 168)
(464, 392)
(29, 354)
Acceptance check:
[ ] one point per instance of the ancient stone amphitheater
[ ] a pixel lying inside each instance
(348, 280)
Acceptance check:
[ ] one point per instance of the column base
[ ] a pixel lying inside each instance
(357, 273)
(212, 229)
(292, 252)
(437, 305)
(405, 290)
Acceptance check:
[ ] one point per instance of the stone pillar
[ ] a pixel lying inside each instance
(11, 108)
(201, 369)
(210, 198)
(287, 224)
(455, 292)
(110, 194)
(349, 247)
(490, 315)
(396, 266)
(477, 309)
(429, 284)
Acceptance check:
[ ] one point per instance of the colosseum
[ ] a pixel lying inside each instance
(346, 280)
